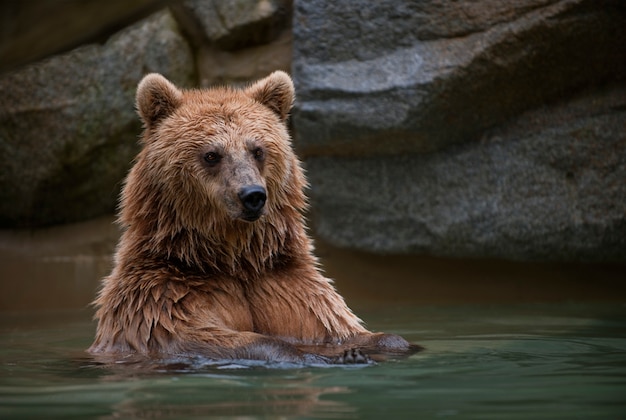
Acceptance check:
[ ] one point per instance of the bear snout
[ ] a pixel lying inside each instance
(253, 198)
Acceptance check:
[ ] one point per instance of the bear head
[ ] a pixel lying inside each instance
(213, 159)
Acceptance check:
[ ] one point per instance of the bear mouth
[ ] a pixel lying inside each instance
(251, 216)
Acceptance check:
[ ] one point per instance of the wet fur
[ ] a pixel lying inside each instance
(191, 277)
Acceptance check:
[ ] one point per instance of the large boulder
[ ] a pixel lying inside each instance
(35, 29)
(233, 24)
(489, 128)
(68, 129)
(237, 41)
(549, 185)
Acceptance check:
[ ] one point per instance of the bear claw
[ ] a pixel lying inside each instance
(352, 357)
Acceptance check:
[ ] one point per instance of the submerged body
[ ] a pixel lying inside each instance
(214, 259)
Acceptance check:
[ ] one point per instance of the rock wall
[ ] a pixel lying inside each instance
(68, 128)
(468, 128)
(465, 128)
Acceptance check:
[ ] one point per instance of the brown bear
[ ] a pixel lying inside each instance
(214, 259)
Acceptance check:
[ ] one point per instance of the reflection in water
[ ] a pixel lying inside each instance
(61, 267)
(232, 395)
(58, 267)
(481, 361)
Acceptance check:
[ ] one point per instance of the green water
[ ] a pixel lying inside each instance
(517, 361)
(491, 352)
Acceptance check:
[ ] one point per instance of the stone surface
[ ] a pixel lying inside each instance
(237, 42)
(68, 129)
(550, 185)
(393, 77)
(240, 67)
(35, 29)
(233, 24)
(469, 128)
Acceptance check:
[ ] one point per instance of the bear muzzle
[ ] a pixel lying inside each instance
(253, 199)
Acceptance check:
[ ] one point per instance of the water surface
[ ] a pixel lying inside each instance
(481, 361)
(503, 341)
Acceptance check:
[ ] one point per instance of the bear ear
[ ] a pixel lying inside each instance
(156, 98)
(276, 92)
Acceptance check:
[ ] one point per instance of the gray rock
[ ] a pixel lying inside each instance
(237, 42)
(233, 24)
(35, 29)
(68, 129)
(393, 76)
(467, 128)
(550, 185)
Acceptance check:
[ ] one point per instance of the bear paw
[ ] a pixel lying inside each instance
(352, 357)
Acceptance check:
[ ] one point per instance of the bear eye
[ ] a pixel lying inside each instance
(212, 158)
(258, 154)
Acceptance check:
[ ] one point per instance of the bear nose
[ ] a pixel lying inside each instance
(253, 197)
